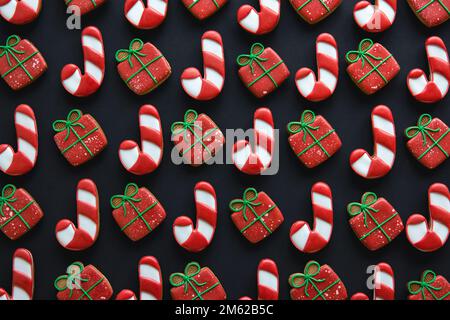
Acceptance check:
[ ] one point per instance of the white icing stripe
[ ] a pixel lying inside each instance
(327, 49)
(129, 157)
(65, 236)
(382, 277)
(135, 13)
(8, 10)
(213, 47)
(241, 156)
(95, 72)
(364, 15)
(267, 279)
(263, 127)
(322, 201)
(362, 165)
(387, 10)
(22, 266)
(439, 200)
(441, 230)
(87, 224)
(28, 150)
(73, 82)
(416, 232)
(206, 199)
(385, 154)
(149, 272)
(417, 85)
(435, 51)
(6, 158)
(182, 233)
(147, 296)
(93, 43)
(205, 229)
(306, 84)
(25, 121)
(87, 197)
(20, 294)
(149, 121)
(159, 6)
(273, 5)
(323, 228)
(215, 77)
(251, 21)
(383, 124)
(301, 236)
(152, 150)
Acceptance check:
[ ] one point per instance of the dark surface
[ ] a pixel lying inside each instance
(230, 256)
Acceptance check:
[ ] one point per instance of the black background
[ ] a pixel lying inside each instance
(231, 257)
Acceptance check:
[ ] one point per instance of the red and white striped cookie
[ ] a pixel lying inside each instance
(378, 165)
(88, 220)
(268, 281)
(20, 162)
(431, 236)
(310, 241)
(261, 22)
(20, 11)
(198, 238)
(83, 85)
(384, 284)
(145, 16)
(328, 71)
(436, 88)
(376, 17)
(209, 86)
(255, 158)
(22, 277)
(150, 281)
(145, 159)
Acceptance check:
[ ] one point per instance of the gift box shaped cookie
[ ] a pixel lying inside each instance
(431, 12)
(313, 139)
(21, 63)
(202, 9)
(429, 141)
(197, 138)
(137, 211)
(79, 138)
(374, 221)
(430, 287)
(85, 6)
(83, 283)
(262, 71)
(313, 11)
(19, 212)
(371, 67)
(317, 283)
(196, 283)
(142, 67)
(255, 215)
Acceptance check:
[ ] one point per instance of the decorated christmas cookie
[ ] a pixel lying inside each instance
(268, 281)
(21, 63)
(384, 284)
(317, 282)
(142, 66)
(430, 287)
(79, 138)
(313, 139)
(84, 6)
(262, 71)
(262, 22)
(202, 9)
(429, 141)
(197, 138)
(19, 212)
(137, 211)
(376, 17)
(22, 277)
(20, 11)
(145, 14)
(313, 11)
(374, 221)
(196, 283)
(371, 67)
(431, 12)
(83, 283)
(256, 216)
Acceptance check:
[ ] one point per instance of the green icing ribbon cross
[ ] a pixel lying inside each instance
(426, 284)
(94, 2)
(10, 52)
(309, 1)
(216, 4)
(6, 200)
(434, 1)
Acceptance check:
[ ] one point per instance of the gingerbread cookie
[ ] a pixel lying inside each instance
(84, 6)
(202, 9)
(431, 12)
(430, 287)
(313, 11)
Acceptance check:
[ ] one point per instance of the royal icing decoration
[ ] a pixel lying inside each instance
(20, 11)
(430, 287)
(310, 241)
(20, 162)
(328, 70)
(22, 277)
(268, 281)
(313, 11)
(378, 165)
(145, 158)
(431, 236)
(431, 12)
(84, 236)
(262, 22)
(371, 67)
(383, 284)
(202, 9)
(196, 283)
(209, 86)
(198, 238)
(83, 85)
(84, 6)
(376, 17)
(256, 216)
(262, 71)
(147, 14)
(435, 89)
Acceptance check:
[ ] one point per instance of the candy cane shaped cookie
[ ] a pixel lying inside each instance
(211, 85)
(261, 22)
(255, 160)
(143, 17)
(196, 240)
(150, 281)
(328, 70)
(310, 241)
(143, 161)
(430, 237)
(20, 11)
(22, 277)
(435, 89)
(268, 281)
(20, 162)
(378, 165)
(383, 284)
(375, 18)
(88, 217)
(83, 85)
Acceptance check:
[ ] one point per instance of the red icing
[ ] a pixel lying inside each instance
(315, 11)
(85, 5)
(203, 9)
(434, 14)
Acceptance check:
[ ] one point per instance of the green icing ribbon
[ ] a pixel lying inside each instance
(309, 1)
(426, 284)
(187, 279)
(6, 200)
(10, 52)
(94, 2)
(256, 50)
(422, 128)
(434, 1)
(197, 1)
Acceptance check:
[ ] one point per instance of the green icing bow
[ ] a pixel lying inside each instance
(6, 200)
(426, 283)
(11, 53)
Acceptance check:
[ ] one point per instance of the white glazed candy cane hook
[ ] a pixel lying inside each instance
(20, 11)
(328, 71)
(145, 17)
(20, 162)
(383, 282)
(22, 277)
(198, 238)
(209, 86)
(436, 88)
(88, 220)
(83, 85)
(261, 22)
(378, 165)
(146, 159)
(268, 281)
(310, 241)
(431, 236)
(376, 17)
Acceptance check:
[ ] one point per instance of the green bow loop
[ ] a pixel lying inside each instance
(187, 124)
(247, 59)
(422, 128)
(362, 53)
(134, 50)
(7, 199)
(247, 201)
(72, 279)
(130, 192)
(365, 207)
(425, 283)
(304, 125)
(308, 277)
(67, 125)
(8, 49)
(191, 270)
